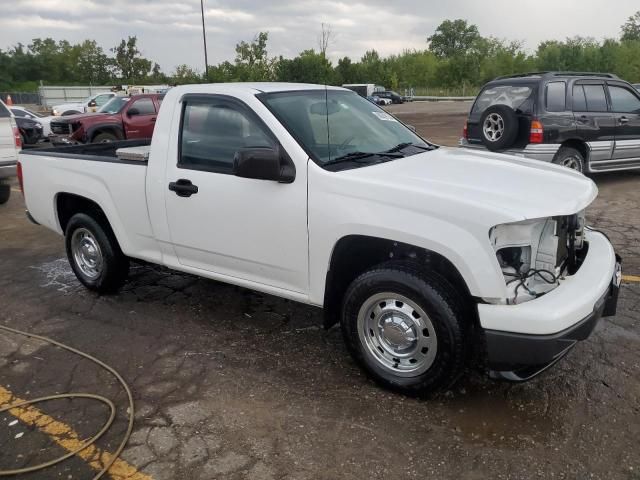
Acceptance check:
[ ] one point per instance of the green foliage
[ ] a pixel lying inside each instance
(453, 38)
(130, 66)
(631, 29)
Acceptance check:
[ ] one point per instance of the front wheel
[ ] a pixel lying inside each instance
(405, 328)
(104, 137)
(94, 254)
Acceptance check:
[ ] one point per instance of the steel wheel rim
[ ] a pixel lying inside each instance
(397, 334)
(572, 162)
(493, 127)
(87, 253)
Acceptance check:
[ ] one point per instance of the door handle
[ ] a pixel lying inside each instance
(153, 120)
(623, 120)
(183, 187)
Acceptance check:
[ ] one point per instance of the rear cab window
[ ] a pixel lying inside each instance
(518, 97)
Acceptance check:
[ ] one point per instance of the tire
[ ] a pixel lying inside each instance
(104, 137)
(570, 158)
(5, 193)
(498, 127)
(430, 353)
(100, 265)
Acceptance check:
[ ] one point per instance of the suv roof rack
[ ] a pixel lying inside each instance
(559, 74)
(522, 75)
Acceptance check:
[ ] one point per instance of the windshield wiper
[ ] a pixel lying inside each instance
(356, 156)
(402, 146)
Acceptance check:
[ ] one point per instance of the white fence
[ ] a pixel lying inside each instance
(50, 96)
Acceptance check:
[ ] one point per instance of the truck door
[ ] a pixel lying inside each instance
(244, 228)
(139, 118)
(625, 105)
(595, 123)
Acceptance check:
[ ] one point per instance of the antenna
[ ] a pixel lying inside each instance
(204, 39)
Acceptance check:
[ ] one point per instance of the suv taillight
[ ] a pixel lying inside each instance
(465, 131)
(19, 173)
(17, 138)
(537, 132)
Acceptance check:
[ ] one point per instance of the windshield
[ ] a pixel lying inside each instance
(334, 124)
(114, 105)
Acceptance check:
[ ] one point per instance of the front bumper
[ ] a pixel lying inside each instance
(545, 152)
(524, 340)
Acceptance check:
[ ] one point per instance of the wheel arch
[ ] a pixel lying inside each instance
(577, 144)
(354, 254)
(69, 204)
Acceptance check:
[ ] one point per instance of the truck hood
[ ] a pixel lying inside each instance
(509, 187)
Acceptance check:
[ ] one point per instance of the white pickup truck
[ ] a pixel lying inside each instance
(424, 254)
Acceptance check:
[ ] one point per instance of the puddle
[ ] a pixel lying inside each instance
(58, 275)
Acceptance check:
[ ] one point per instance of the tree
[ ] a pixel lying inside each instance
(631, 29)
(308, 67)
(325, 39)
(130, 66)
(184, 74)
(453, 38)
(252, 62)
(92, 64)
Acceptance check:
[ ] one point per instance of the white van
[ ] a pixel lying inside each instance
(9, 145)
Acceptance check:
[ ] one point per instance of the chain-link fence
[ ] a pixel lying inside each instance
(21, 98)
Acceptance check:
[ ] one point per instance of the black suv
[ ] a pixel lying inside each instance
(586, 121)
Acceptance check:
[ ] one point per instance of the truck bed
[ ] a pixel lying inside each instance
(101, 152)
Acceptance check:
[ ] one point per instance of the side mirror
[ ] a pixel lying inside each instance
(132, 112)
(263, 163)
(93, 103)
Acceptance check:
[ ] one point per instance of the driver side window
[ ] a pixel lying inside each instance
(623, 100)
(213, 131)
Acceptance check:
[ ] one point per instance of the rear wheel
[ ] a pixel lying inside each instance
(570, 158)
(94, 254)
(404, 328)
(5, 193)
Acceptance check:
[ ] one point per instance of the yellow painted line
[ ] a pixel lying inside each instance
(631, 278)
(67, 438)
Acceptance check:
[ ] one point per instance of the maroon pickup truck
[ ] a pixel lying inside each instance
(121, 118)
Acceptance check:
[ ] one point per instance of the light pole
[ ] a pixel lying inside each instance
(204, 39)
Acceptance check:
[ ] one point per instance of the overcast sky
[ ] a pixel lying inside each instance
(169, 32)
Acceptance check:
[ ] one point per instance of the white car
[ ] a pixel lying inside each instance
(45, 120)
(89, 104)
(9, 145)
(422, 253)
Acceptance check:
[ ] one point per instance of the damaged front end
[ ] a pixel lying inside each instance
(535, 255)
